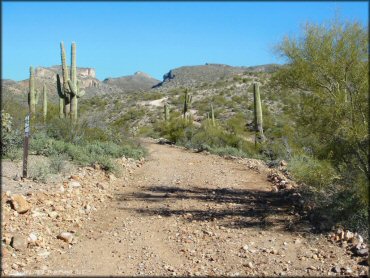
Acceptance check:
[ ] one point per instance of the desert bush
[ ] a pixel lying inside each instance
(309, 170)
(11, 138)
(85, 153)
(177, 129)
(228, 151)
(148, 131)
(59, 163)
(14, 154)
(40, 170)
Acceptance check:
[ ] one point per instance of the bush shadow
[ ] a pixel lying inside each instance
(231, 208)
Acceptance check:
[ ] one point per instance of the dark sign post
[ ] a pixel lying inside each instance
(25, 144)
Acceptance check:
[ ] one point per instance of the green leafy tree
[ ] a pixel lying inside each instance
(327, 76)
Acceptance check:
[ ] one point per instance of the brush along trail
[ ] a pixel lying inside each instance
(183, 213)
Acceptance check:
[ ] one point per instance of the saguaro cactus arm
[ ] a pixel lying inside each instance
(60, 88)
(75, 90)
(62, 97)
(64, 68)
(73, 63)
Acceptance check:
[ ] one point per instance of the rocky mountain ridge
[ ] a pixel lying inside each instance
(138, 81)
(208, 73)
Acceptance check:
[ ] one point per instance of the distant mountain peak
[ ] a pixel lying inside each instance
(138, 81)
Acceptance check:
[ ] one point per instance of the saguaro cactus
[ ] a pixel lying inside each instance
(74, 86)
(258, 121)
(166, 113)
(187, 102)
(62, 98)
(65, 88)
(33, 95)
(45, 103)
(70, 91)
(213, 115)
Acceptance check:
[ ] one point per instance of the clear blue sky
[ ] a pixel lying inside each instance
(119, 38)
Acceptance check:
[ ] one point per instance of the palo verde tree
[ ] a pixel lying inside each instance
(328, 68)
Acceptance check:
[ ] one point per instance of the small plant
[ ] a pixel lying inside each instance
(11, 139)
(59, 163)
(40, 171)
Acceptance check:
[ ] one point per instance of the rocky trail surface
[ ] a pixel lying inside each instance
(178, 214)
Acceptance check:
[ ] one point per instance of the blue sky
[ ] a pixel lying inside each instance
(120, 38)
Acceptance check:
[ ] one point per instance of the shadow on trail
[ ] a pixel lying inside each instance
(232, 208)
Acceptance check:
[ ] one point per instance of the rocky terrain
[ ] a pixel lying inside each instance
(177, 213)
(190, 76)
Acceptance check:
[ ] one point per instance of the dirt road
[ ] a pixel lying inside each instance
(184, 213)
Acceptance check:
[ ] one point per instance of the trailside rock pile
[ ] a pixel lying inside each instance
(38, 224)
(280, 182)
(351, 241)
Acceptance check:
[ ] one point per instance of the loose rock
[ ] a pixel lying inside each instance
(19, 242)
(20, 203)
(65, 236)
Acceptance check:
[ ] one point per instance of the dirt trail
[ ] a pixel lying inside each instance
(184, 213)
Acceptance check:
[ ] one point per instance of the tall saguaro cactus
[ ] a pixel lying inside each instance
(62, 98)
(65, 88)
(70, 91)
(166, 113)
(74, 87)
(33, 95)
(187, 102)
(45, 103)
(258, 120)
(213, 115)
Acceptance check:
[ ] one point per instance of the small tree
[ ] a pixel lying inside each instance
(329, 66)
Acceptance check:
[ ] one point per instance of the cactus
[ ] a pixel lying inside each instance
(65, 88)
(166, 113)
(187, 102)
(213, 115)
(74, 86)
(45, 103)
(70, 91)
(61, 98)
(258, 120)
(33, 95)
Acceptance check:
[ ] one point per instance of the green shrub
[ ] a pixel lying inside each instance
(40, 170)
(228, 151)
(177, 130)
(311, 171)
(85, 153)
(59, 163)
(11, 138)
(14, 154)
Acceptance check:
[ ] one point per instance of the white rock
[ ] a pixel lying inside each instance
(74, 184)
(348, 235)
(53, 214)
(32, 237)
(65, 236)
